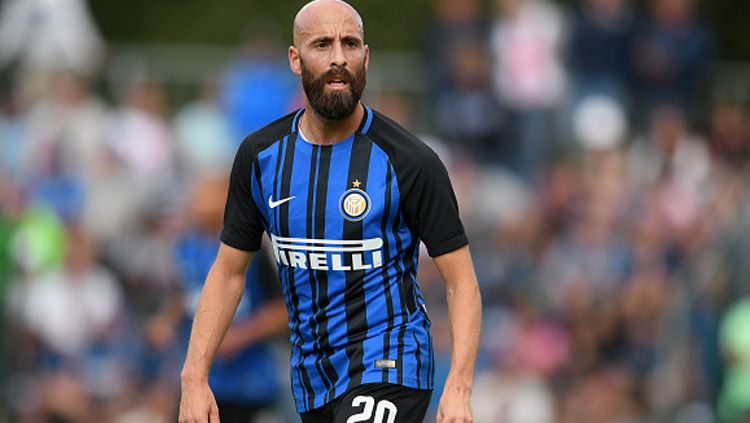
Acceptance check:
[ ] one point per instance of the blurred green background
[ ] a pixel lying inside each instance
(145, 21)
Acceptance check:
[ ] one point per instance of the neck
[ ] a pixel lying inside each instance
(326, 132)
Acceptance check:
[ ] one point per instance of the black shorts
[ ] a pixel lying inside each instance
(237, 413)
(373, 403)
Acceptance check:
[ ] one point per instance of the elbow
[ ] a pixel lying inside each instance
(226, 280)
(468, 289)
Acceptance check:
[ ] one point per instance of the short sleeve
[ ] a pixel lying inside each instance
(430, 207)
(243, 227)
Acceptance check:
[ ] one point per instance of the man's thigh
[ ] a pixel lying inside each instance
(381, 403)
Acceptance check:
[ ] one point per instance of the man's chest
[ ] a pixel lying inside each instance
(328, 209)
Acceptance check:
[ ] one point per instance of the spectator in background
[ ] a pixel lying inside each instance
(456, 25)
(68, 121)
(258, 88)
(49, 36)
(204, 139)
(674, 165)
(669, 150)
(73, 312)
(599, 49)
(528, 75)
(467, 112)
(604, 394)
(62, 132)
(672, 54)
(244, 376)
(139, 134)
(729, 134)
(112, 203)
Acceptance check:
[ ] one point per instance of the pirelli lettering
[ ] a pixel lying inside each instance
(326, 254)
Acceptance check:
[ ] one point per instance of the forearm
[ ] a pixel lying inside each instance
(216, 307)
(465, 312)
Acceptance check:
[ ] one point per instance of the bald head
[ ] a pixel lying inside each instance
(319, 14)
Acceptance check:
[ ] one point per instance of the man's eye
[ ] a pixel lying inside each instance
(321, 45)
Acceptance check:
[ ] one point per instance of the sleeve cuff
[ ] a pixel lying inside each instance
(238, 243)
(447, 246)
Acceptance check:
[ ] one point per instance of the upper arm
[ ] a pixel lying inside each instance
(456, 267)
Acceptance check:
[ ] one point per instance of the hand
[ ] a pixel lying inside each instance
(197, 404)
(455, 404)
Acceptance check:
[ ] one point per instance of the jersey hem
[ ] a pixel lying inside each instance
(300, 406)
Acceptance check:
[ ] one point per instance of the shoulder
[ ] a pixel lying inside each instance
(268, 135)
(405, 151)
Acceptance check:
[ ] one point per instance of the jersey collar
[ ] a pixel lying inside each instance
(364, 126)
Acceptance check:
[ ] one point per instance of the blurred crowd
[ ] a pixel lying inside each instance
(601, 178)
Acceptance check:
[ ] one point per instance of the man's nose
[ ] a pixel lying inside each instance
(338, 58)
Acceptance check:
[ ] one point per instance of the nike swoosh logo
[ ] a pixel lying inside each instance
(273, 204)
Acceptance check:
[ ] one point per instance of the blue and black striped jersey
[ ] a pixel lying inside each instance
(345, 222)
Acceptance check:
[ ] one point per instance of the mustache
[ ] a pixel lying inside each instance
(337, 73)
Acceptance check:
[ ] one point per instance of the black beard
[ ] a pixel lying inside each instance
(337, 105)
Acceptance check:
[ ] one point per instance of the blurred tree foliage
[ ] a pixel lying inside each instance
(389, 23)
(729, 19)
(222, 22)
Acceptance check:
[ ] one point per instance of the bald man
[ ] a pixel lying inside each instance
(345, 196)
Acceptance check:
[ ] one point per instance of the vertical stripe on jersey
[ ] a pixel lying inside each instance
(354, 297)
(257, 192)
(409, 290)
(386, 260)
(425, 322)
(310, 272)
(394, 252)
(431, 367)
(404, 318)
(283, 225)
(277, 180)
(419, 360)
(321, 276)
(318, 278)
(377, 303)
(274, 224)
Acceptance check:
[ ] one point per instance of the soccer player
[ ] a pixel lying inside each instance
(244, 358)
(345, 196)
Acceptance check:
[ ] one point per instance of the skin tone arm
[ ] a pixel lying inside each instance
(218, 302)
(465, 311)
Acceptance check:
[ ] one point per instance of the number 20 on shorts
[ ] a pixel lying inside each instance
(383, 407)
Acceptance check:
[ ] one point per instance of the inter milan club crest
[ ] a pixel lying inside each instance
(354, 203)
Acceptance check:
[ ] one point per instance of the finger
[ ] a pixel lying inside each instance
(213, 415)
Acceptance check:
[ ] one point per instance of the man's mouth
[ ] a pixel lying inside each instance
(337, 83)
